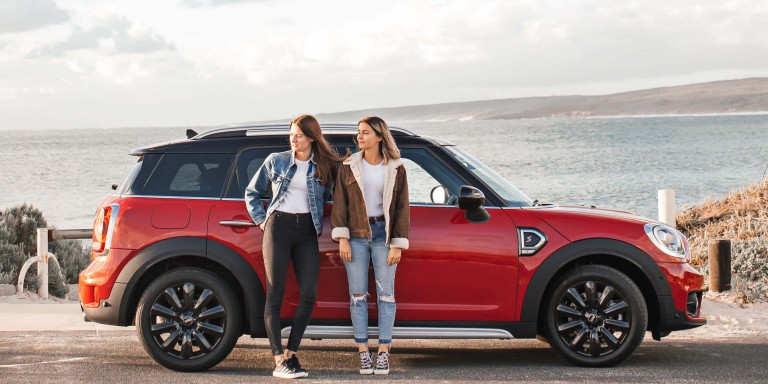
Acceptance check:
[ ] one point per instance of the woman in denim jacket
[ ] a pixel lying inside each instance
(291, 224)
(371, 221)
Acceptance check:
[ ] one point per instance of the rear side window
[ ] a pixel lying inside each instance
(248, 162)
(187, 175)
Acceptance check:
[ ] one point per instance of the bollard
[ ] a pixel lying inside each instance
(42, 263)
(667, 207)
(719, 265)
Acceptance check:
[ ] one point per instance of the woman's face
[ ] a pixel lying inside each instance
(366, 137)
(299, 142)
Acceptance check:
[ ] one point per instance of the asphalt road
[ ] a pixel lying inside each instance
(117, 357)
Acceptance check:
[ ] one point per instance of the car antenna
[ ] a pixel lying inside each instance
(191, 133)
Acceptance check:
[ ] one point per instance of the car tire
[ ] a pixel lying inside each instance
(188, 319)
(596, 316)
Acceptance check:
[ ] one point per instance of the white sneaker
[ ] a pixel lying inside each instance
(284, 371)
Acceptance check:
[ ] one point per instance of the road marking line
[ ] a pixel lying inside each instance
(44, 362)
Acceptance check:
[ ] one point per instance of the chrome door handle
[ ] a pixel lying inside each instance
(237, 223)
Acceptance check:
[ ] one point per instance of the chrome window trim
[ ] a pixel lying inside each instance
(411, 204)
(170, 197)
(243, 200)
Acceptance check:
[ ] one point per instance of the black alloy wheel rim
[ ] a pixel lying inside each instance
(593, 318)
(187, 320)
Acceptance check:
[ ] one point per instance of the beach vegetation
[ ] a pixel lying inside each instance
(741, 217)
(18, 242)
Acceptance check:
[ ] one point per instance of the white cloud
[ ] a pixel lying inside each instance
(214, 3)
(111, 35)
(256, 60)
(26, 15)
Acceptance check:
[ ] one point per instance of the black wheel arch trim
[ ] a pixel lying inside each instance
(582, 249)
(254, 296)
(194, 247)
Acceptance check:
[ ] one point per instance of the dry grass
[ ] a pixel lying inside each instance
(742, 217)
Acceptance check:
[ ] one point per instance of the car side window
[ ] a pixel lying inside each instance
(188, 175)
(429, 180)
(248, 162)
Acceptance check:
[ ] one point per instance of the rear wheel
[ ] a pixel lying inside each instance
(596, 316)
(188, 319)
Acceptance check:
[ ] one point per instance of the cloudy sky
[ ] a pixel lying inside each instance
(116, 63)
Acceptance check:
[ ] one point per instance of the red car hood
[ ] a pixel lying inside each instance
(576, 223)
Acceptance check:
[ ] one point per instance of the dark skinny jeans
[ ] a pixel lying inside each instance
(290, 238)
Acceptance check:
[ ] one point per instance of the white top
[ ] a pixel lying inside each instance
(373, 185)
(296, 198)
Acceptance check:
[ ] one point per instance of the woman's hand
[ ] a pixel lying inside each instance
(262, 225)
(394, 256)
(345, 250)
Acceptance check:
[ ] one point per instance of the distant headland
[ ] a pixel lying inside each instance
(744, 96)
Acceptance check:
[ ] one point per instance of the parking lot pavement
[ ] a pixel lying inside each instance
(48, 317)
(110, 356)
(50, 343)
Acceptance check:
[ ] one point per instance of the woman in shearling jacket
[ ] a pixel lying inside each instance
(371, 220)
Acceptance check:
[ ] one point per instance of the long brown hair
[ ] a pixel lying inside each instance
(325, 157)
(387, 145)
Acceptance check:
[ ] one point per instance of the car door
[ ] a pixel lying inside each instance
(454, 270)
(230, 224)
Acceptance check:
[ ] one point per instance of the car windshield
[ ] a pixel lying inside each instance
(500, 185)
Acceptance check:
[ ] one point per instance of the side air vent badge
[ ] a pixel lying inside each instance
(530, 240)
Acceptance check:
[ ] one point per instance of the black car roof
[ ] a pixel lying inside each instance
(232, 139)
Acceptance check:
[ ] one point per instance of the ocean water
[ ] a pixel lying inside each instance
(616, 163)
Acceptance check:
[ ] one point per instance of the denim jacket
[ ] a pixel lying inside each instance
(276, 173)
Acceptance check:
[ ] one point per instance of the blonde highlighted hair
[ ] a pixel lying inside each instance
(387, 145)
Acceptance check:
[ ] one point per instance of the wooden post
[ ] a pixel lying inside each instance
(667, 207)
(719, 265)
(42, 263)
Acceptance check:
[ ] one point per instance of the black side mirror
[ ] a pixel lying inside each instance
(114, 187)
(471, 200)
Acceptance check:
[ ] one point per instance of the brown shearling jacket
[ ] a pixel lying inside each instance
(349, 217)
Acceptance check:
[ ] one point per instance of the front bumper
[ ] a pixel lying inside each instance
(682, 309)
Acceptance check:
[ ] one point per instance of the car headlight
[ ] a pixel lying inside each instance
(669, 240)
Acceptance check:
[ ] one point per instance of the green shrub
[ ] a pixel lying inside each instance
(749, 260)
(18, 242)
(11, 259)
(73, 255)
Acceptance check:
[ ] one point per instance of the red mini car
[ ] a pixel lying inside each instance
(176, 254)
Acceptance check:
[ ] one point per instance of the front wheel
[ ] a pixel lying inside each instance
(188, 320)
(596, 316)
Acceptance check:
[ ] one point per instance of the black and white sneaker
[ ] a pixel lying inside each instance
(294, 364)
(382, 364)
(284, 371)
(366, 363)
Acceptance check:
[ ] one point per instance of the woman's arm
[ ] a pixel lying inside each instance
(339, 212)
(402, 216)
(256, 190)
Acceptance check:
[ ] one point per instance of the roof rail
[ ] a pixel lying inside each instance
(283, 129)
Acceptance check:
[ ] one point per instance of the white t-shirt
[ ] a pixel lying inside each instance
(373, 184)
(296, 199)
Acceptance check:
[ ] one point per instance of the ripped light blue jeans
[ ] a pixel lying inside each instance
(364, 250)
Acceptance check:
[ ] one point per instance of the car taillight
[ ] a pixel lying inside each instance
(102, 228)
